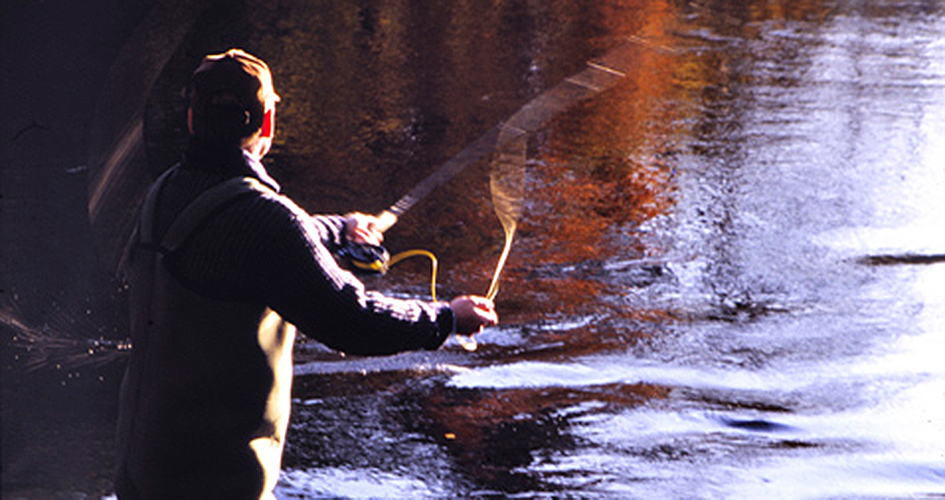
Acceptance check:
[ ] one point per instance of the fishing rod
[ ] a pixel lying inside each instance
(599, 74)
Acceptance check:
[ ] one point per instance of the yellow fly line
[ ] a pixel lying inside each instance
(507, 185)
(419, 253)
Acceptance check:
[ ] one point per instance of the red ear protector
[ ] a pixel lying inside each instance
(267, 123)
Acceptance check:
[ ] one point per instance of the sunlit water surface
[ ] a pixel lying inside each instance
(790, 359)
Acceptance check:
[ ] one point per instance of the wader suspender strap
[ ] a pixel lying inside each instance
(194, 213)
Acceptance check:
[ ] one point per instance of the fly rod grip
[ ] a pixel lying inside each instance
(385, 220)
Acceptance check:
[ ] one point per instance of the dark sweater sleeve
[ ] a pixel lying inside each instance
(265, 248)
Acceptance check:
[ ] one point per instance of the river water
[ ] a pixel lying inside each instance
(728, 279)
(728, 284)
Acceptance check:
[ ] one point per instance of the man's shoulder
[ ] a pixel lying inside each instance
(261, 197)
(264, 213)
(242, 199)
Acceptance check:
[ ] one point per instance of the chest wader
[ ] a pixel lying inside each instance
(206, 396)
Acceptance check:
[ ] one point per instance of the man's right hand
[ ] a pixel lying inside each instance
(472, 313)
(363, 229)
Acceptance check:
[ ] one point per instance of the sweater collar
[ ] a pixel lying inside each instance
(228, 161)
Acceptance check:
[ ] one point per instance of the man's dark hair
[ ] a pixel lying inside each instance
(229, 95)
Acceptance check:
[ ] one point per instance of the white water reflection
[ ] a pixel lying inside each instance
(621, 370)
(354, 483)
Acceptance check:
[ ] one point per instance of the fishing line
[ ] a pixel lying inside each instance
(494, 286)
(507, 185)
(419, 253)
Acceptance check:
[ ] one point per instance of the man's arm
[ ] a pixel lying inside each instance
(264, 249)
(308, 288)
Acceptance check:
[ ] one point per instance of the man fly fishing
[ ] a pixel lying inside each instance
(221, 270)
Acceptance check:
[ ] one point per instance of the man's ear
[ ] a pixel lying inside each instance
(269, 124)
